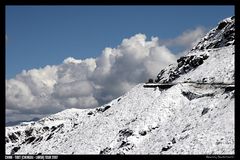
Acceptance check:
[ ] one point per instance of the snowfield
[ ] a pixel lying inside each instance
(186, 118)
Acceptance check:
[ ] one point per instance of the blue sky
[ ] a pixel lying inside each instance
(45, 35)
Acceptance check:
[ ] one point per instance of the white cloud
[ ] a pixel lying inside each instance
(187, 39)
(71, 60)
(18, 94)
(89, 82)
(156, 61)
(77, 88)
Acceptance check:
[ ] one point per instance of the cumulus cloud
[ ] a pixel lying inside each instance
(18, 94)
(91, 82)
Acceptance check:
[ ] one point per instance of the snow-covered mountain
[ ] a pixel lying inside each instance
(184, 118)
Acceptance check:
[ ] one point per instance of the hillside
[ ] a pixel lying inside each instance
(193, 116)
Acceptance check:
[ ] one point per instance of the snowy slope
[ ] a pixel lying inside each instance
(211, 46)
(186, 118)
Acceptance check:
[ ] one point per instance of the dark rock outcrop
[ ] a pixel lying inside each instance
(205, 110)
(14, 150)
(13, 138)
(28, 132)
(105, 150)
(185, 64)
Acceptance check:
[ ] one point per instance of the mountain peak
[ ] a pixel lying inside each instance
(220, 36)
